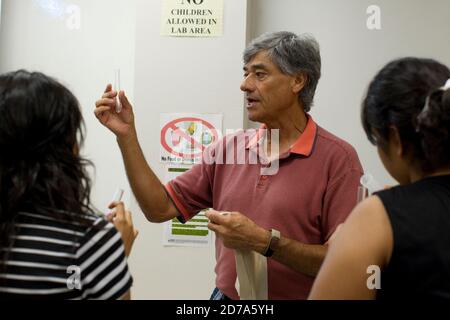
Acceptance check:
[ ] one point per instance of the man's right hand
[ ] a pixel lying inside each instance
(121, 124)
(146, 186)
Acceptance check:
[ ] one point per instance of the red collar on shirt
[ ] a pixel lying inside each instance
(304, 144)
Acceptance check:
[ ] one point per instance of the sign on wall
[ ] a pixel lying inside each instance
(195, 232)
(192, 18)
(184, 137)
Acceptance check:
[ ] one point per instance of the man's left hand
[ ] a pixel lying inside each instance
(237, 231)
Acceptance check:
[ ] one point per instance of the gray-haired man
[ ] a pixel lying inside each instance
(288, 216)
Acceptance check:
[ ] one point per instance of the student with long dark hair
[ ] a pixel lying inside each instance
(52, 245)
(396, 244)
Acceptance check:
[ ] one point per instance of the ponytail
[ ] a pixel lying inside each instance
(433, 125)
(399, 96)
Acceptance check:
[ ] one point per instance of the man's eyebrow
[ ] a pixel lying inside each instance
(260, 66)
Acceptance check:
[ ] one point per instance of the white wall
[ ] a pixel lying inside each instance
(182, 75)
(171, 75)
(34, 36)
(351, 54)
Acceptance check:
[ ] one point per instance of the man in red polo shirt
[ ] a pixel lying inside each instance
(287, 214)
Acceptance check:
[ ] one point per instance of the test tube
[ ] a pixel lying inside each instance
(117, 89)
(362, 194)
(369, 182)
(118, 195)
(116, 198)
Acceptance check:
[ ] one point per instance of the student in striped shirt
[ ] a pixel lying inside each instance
(52, 244)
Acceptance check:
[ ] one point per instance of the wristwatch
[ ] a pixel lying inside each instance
(275, 237)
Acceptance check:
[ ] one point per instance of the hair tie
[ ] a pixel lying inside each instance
(425, 109)
(446, 85)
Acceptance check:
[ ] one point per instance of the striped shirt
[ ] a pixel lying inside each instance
(61, 259)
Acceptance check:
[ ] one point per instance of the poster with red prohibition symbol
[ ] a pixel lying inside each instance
(184, 137)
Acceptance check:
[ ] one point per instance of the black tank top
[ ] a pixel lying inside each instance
(420, 217)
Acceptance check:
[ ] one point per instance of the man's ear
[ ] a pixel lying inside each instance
(396, 142)
(299, 82)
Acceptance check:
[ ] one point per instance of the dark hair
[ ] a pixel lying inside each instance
(293, 54)
(40, 128)
(397, 97)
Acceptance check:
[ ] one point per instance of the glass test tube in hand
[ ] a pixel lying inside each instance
(362, 194)
(117, 89)
(368, 186)
(117, 197)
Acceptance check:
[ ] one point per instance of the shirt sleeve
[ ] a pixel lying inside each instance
(103, 264)
(192, 191)
(341, 193)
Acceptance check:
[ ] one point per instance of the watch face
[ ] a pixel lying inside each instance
(276, 234)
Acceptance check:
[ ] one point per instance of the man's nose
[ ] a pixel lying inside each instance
(246, 84)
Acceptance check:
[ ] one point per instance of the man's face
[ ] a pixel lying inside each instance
(269, 93)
